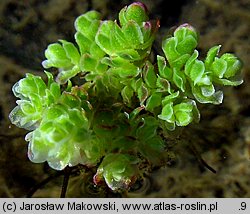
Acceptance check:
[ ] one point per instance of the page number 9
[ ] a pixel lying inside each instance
(243, 206)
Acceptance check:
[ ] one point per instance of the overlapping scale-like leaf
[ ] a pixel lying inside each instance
(180, 114)
(35, 96)
(64, 56)
(118, 170)
(87, 26)
(136, 11)
(63, 139)
(180, 47)
(193, 77)
(224, 70)
(71, 60)
(129, 43)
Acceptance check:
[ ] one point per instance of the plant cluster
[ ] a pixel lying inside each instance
(110, 102)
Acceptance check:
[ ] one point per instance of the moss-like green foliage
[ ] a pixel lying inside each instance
(115, 120)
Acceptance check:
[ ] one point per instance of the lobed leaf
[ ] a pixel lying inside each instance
(88, 24)
(56, 57)
(118, 171)
(234, 65)
(153, 101)
(136, 12)
(164, 70)
(71, 51)
(149, 75)
(211, 54)
(133, 34)
(127, 94)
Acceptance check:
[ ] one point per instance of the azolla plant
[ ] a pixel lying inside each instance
(110, 102)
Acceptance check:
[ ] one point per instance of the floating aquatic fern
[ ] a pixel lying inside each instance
(114, 120)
